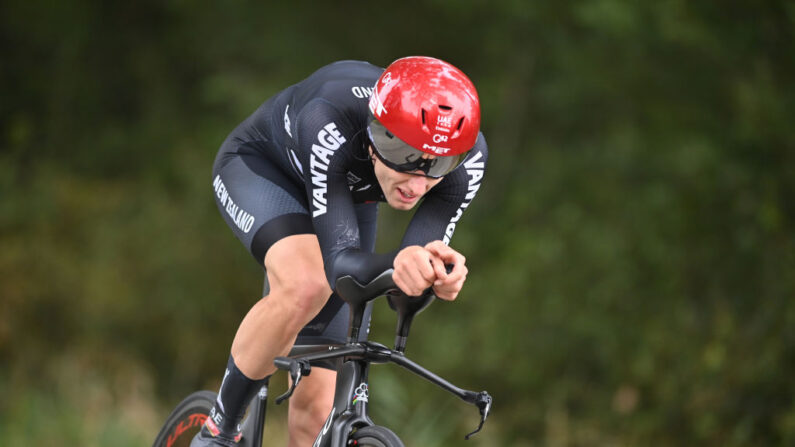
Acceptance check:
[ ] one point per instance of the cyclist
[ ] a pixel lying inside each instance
(299, 182)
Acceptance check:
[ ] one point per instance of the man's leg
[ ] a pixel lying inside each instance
(291, 304)
(298, 290)
(310, 405)
(313, 399)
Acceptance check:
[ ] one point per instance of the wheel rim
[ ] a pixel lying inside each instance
(184, 430)
(368, 442)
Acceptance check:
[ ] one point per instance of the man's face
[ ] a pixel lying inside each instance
(402, 190)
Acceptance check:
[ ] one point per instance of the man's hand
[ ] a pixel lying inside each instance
(414, 271)
(417, 268)
(447, 285)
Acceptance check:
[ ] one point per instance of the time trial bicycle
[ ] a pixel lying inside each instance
(348, 422)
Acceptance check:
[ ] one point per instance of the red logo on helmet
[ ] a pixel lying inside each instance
(376, 107)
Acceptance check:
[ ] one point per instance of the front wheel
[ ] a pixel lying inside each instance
(375, 436)
(186, 420)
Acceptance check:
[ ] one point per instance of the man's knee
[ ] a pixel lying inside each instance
(296, 276)
(305, 296)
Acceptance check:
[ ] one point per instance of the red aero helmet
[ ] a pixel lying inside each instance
(429, 104)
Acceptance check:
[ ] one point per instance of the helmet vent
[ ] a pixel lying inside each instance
(423, 116)
(460, 123)
(445, 108)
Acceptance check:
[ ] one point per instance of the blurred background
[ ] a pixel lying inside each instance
(631, 252)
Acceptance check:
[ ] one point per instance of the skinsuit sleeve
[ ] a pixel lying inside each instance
(326, 138)
(444, 205)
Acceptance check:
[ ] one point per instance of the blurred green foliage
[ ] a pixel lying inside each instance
(631, 252)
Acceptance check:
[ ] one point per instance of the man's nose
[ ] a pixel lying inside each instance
(418, 183)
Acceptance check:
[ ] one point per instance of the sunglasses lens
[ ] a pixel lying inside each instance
(400, 156)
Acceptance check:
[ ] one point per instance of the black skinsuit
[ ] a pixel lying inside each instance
(299, 164)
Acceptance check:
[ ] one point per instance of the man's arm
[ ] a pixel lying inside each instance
(432, 227)
(441, 210)
(326, 137)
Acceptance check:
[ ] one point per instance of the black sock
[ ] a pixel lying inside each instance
(233, 399)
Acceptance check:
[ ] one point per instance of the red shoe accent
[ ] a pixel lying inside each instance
(211, 427)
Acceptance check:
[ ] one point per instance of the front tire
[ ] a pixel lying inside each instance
(186, 420)
(375, 436)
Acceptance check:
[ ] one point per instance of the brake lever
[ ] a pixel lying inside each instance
(483, 402)
(298, 369)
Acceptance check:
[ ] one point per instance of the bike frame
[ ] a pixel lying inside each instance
(350, 410)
